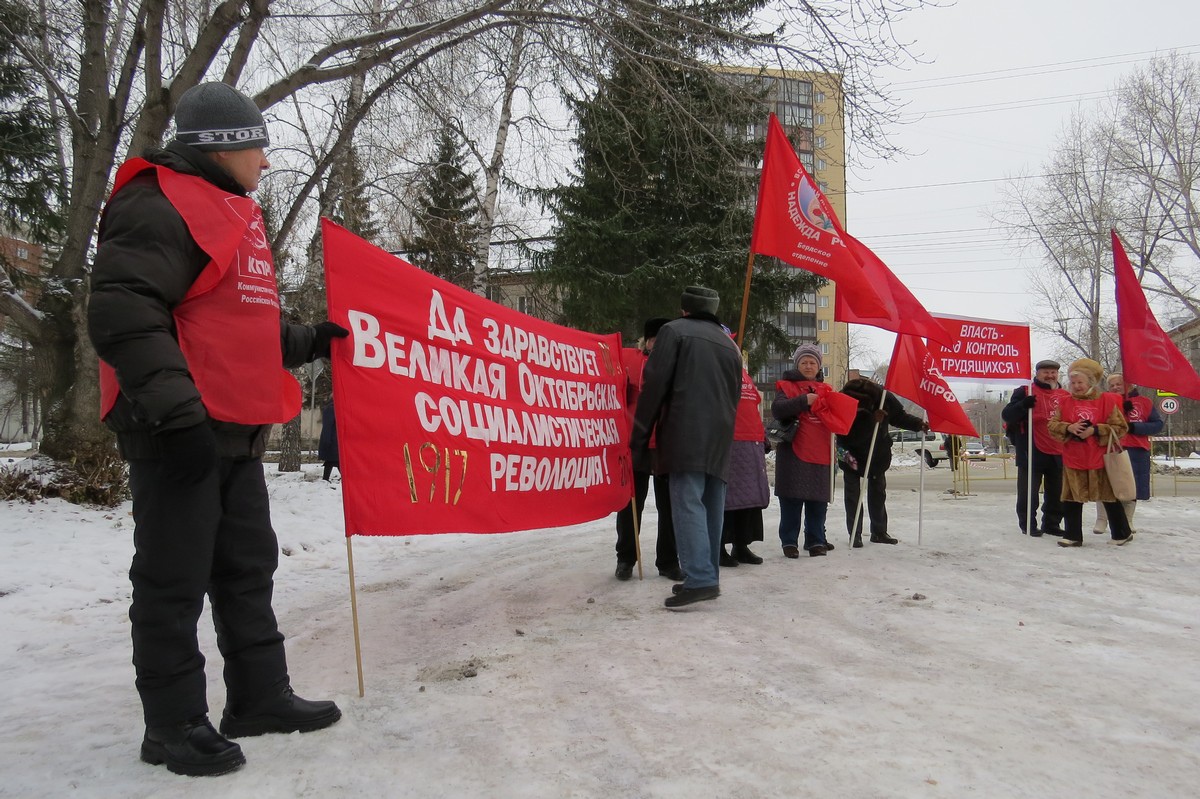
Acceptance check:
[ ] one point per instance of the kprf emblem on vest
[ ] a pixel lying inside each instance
(254, 260)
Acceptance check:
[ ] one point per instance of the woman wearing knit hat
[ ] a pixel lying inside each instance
(802, 465)
(1086, 421)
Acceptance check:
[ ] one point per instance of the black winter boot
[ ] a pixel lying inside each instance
(285, 713)
(192, 748)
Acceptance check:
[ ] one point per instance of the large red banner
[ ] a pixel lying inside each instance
(455, 414)
(985, 349)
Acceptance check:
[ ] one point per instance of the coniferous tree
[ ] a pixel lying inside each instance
(446, 221)
(663, 198)
(31, 182)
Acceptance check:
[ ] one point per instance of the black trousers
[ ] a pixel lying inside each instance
(213, 538)
(1073, 518)
(1047, 477)
(876, 503)
(329, 467)
(666, 556)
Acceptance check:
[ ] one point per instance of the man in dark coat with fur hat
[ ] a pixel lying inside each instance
(690, 392)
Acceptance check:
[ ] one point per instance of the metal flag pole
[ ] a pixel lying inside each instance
(921, 495)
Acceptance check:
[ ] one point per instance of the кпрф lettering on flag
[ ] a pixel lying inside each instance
(796, 224)
(1148, 357)
(913, 374)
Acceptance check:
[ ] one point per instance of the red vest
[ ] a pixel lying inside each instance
(1047, 401)
(1140, 413)
(1087, 454)
(748, 425)
(228, 323)
(811, 444)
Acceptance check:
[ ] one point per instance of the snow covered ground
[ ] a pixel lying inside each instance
(982, 663)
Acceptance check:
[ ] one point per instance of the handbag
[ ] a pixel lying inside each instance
(1119, 471)
(779, 432)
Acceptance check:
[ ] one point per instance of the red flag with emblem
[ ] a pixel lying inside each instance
(796, 224)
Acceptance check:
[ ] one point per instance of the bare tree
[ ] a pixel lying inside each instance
(129, 61)
(1132, 165)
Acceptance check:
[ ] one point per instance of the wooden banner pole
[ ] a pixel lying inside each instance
(354, 615)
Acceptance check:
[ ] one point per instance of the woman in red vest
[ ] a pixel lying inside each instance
(1085, 421)
(1144, 422)
(747, 490)
(184, 313)
(802, 467)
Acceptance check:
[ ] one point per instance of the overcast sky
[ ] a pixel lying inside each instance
(1036, 61)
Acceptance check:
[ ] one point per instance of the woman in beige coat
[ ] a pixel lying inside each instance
(1085, 422)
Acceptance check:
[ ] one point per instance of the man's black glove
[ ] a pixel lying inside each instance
(325, 333)
(1028, 402)
(1128, 406)
(189, 454)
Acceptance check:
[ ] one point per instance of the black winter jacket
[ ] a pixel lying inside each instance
(690, 392)
(858, 440)
(146, 261)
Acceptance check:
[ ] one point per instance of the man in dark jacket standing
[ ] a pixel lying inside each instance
(874, 410)
(184, 313)
(690, 391)
(1037, 402)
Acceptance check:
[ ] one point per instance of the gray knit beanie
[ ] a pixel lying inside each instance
(697, 299)
(808, 349)
(216, 116)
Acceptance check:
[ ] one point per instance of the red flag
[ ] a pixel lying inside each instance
(457, 415)
(796, 224)
(905, 313)
(1148, 357)
(913, 374)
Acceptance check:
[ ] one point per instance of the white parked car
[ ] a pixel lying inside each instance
(974, 451)
(931, 446)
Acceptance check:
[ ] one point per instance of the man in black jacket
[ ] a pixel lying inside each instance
(690, 391)
(184, 313)
(1037, 402)
(874, 411)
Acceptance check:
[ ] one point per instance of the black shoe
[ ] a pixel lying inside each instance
(285, 713)
(883, 538)
(1055, 531)
(1035, 533)
(815, 551)
(727, 560)
(744, 555)
(675, 589)
(857, 541)
(675, 574)
(687, 596)
(193, 749)
(828, 546)
(791, 552)
(624, 570)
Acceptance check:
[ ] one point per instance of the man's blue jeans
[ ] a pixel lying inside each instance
(814, 512)
(698, 510)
